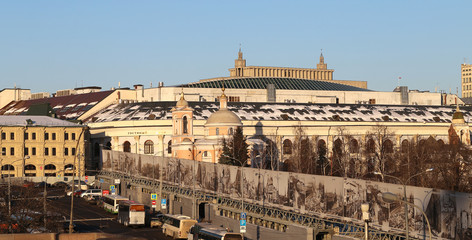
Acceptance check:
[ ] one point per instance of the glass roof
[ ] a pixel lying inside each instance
(279, 83)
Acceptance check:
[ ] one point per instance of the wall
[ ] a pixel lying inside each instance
(448, 212)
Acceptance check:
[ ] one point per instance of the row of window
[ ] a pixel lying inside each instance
(33, 136)
(27, 152)
(387, 145)
(466, 80)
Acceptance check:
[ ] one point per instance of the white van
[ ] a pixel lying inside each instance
(92, 192)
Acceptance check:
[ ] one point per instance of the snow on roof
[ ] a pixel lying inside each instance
(35, 121)
(285, 111)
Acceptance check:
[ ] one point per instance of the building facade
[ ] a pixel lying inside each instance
(37, 146)
(466, 80)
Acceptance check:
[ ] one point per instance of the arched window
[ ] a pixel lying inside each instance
(321, 147)
(69, 167)
(338, 146)
(148, 147)
(388, 146)
(50, 167)
(126, 147)
(30, 170)
(30, 167)
(185, 124)
(169, 147)
(287, 146)
(405, 145)
(7, 167)
(353, 146)
(370, 147)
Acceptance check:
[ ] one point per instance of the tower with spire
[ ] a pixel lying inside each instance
(240, 64)
(322, 65)
(182, 129)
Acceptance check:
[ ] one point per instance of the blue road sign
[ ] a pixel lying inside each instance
(243, 215)
(153, 196)
(242, 223)
(163, 201)
(101, 181)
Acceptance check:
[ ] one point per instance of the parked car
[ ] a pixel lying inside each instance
(156, 220)
(41, 184)
(60, 184)
(28, 184)
(76, 192)
(92, 192)
(92, 199)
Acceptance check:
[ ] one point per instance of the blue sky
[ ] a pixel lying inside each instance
(51, 45)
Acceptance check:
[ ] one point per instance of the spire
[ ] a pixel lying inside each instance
(223, 99)
(240, 54)
(321, 57)
(182, 102)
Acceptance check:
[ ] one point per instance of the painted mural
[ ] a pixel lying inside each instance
(449, 213)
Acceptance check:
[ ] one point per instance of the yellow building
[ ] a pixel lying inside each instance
(466, 75)
(37, 146)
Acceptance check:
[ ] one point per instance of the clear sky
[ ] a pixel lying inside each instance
(51, 45)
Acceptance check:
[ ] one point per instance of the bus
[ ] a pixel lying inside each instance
(131, 213)
(177, 226)
(207, 231)
(110, 202)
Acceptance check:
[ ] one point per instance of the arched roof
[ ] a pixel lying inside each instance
(279, 83)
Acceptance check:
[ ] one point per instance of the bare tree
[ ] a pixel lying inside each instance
(303, 158)
(379, 149)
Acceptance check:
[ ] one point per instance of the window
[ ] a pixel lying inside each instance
(33, 136)
(72, 151)
(26, 136)
(12, 136)
(33, 151)
(53, 136)
(26, 151)
(126, 146)
(12, 151)
(46, 151)
(217, 131)
(73, 136)
(66, 136)
(54, 151)
(4, 136)
(287, 146)
(46, 136)
(230, 131)
(4, 151)
(148, 147)
(66, 151)
(354, 146)
(185, 124)
(169, 147)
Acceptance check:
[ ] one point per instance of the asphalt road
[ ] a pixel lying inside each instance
(92, 218)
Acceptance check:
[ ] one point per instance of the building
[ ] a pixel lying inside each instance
(37, 146)
(466, 80)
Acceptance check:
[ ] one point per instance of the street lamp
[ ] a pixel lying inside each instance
(365, 217)
(242, 179)
(194, 158)
(404, 183)
(45, 193)
(390, 198)
(9, 185)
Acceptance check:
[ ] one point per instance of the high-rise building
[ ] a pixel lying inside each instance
(466, 75)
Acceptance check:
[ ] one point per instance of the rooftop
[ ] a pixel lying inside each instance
(35, 121)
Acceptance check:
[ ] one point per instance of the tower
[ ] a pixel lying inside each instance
(322, 65)
(182, 129)
(239, 64)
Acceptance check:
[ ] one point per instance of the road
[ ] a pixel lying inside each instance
(87, 218)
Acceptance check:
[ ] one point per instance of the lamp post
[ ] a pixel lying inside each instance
(390, 198)
(242, 179)
(45, 194)
(365, 217)
(404, 183)
(9, 185)
(194, 158)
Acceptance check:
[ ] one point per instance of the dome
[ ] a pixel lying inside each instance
(182, 102)
(224, 117)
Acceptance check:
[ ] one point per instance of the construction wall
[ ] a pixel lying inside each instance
(339, 198)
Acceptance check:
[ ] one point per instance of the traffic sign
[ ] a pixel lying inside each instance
(112, 187)
(153, 203)
(242, 226)
(106, 192)
(101, 180)
(243, 215)
(86, 180)
(153, 196)
(163, 203)
(86, 177)
(117, 181)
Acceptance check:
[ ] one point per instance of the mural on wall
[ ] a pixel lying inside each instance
(449, 213)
